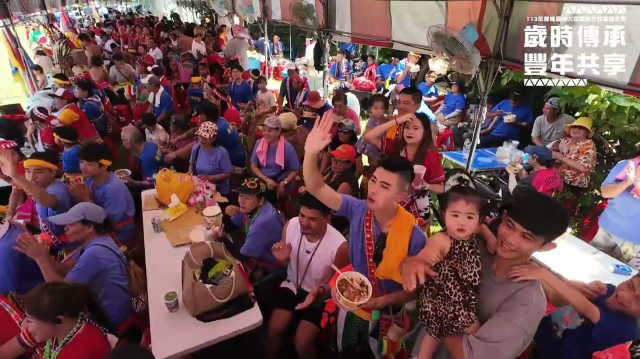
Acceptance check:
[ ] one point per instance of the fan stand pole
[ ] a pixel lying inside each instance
(267, 64)
(480, 115)
(325, 71)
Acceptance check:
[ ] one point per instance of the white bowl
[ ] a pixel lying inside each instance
(344, 302)
(122, 173)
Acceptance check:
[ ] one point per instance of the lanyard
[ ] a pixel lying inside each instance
(248, 222)
(304, 274)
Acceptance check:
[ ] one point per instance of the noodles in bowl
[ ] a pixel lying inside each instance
(353, 289)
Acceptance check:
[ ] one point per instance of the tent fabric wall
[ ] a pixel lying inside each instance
(279, 10)
(403, 25)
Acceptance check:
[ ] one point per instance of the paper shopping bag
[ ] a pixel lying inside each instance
(198, 297)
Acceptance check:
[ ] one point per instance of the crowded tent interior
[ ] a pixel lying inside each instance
(314, 179)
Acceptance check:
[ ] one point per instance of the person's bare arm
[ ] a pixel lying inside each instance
(341, 259)
(537, 141)
(359, 167)
(437, 188)
(344, 188)
(257, 172)
(375, 134)
(12, 349)
(16, 198)
(436, 248)
(41, 197)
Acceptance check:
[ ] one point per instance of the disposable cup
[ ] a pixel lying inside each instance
(171, 301)
(419, 172)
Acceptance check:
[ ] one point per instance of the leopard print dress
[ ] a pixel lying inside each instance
(448, 303)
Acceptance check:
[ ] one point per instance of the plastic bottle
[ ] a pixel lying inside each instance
(466, 149)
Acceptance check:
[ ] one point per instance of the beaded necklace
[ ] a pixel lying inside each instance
(49, 350)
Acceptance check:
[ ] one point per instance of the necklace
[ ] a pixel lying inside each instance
(50, 352)
(308, 251)
(313, 253)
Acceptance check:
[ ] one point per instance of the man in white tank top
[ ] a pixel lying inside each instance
(308, 247)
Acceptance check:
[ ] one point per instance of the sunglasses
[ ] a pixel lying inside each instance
(341, 160)
(344, 131)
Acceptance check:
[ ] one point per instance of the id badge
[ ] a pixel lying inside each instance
(287, 284)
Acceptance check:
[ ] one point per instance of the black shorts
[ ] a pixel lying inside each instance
(285, 299)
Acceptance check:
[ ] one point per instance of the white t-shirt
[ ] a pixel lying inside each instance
(156, 53)
(308, 52)
(319, 268)
(107, 45)
(198, 48)
(238, 47)
(265, 100)
(353, 103)
(159, 136)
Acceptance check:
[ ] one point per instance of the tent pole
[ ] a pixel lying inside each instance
(325, 70)
(267, 63)
(290, 44)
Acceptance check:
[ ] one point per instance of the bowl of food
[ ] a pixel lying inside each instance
(309, 114)
(213, 215)
(122, 174)
(509, 118)
(414, 68)
(352, 290)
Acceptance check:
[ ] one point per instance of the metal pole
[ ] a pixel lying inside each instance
(325, 70)
(290, 44)
(267, 65)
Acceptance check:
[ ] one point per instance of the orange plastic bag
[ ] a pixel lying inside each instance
(169, 182)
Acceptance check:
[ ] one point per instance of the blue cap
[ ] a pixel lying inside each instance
(542, 153)
(554, 102)
(84, 210)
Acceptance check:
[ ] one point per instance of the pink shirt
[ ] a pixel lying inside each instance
(351, 114)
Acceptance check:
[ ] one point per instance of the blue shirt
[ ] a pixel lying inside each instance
(453, 102)
(65, 202)
(428, 90)
(338, 70)
(622, 215)
(240, 93)
(612, 329)
(213, 161)
(18, 272)
(104, 271)
(195, 96)
(71, 160)
(229, 139)
(399, 70)
(114, 197)
(511, 131)
(273, 170)
(424, 108)
(95, 113)
(166, 104)
(285, 93)
(354, 211)
(385, 71)
(151, 160)
(264, 231)
(277, 49)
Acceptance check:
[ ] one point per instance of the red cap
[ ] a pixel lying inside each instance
(63, 94)
(346, 152)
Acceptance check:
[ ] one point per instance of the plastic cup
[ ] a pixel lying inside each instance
(419, 172)
(171, 301)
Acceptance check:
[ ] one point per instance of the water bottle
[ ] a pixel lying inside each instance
(466, 149)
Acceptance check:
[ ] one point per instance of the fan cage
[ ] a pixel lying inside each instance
(463, 57)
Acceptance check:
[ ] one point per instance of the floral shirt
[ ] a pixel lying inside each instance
(584, 153)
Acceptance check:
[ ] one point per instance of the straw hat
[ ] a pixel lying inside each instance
(289, 121)
(584, 122)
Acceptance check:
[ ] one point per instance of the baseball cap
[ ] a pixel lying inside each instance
(314, 100)
(84, 210)
(252, 186)
(543, 153)
(346, 152)
(63, 94)
(272, 122)
(348, 124)
(554, 102)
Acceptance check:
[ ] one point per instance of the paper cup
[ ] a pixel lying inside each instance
(171, 301)
(213, 215)
(419, 172)
(344, 302)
